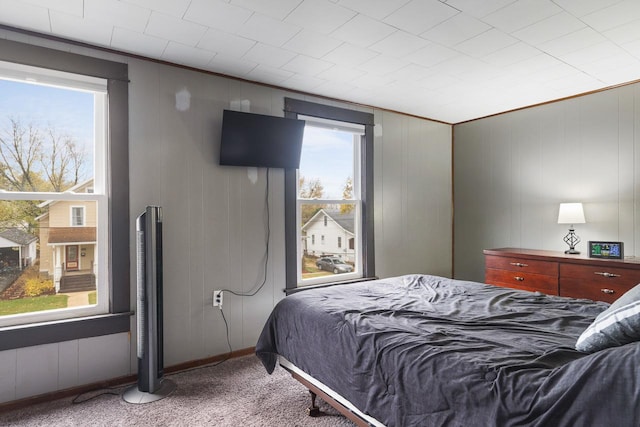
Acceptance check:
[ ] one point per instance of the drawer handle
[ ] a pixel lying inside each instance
(605, 274)
(519, 279)
(519, 264)
(608, 291)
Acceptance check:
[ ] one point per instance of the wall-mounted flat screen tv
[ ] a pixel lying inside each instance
(258, 140)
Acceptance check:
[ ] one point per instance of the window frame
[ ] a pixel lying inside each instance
(117, 319)
(83, 218)
(292, 109)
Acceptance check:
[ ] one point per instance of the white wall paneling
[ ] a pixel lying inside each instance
(68, 372)
(35, 370)
(103, 358)
(8, 370)
(412, 196)
(214, 221)
(513, 170)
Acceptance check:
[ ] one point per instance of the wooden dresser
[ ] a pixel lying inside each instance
(556, 273)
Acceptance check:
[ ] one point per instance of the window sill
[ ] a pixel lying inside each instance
(19, 336)
(326, 285)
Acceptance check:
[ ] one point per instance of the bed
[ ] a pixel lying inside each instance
(422, 350)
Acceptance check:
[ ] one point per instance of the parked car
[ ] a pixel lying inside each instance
(334, 264)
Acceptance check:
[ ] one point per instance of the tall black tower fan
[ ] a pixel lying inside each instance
(151, 386)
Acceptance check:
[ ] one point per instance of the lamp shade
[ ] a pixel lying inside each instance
(571, 213)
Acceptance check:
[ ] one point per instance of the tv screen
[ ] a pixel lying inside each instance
(258, 140)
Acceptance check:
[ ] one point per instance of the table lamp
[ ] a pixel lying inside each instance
(571, 213)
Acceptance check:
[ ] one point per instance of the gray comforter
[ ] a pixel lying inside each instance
(429, 351)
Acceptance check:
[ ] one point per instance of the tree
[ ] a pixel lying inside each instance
(33, 160)
(347, 194)
(19, 214)
(19, 149)
(63, 163)
(312, 189)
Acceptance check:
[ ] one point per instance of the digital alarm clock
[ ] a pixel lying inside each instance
(609, 250)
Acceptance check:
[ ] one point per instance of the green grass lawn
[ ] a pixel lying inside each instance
(318, 273)
(30, 304)
(310, 270)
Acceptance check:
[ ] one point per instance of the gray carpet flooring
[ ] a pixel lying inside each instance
(237, 393)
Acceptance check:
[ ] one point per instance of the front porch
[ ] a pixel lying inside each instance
(76, 281)
(72, 251)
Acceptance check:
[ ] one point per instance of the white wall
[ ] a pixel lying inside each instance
(513, 170)
(214, 221)
(413, 201)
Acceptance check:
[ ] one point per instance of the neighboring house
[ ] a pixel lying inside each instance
(330, 232)
(68, 242)
(17, 248)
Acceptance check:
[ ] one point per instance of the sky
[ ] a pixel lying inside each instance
(327, 155)
(69, 112)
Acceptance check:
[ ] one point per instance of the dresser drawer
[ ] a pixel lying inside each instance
(549, 268)
(523, 280)
(556, 273)
(596, 282)
(601, 275)
(579, 288)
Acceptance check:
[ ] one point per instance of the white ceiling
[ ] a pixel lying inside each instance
(452, 60)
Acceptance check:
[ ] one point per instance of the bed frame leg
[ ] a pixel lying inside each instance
(313, 410)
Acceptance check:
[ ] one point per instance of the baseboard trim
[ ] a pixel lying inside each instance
(120, 381)
(208, 361)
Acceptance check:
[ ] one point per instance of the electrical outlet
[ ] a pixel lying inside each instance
(217, 299)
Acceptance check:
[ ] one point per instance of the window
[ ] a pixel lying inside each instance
(77, 216)
(52, 147)
(69, 203)
(332, 189)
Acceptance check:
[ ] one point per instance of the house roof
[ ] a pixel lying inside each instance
(18, 236)
(80, 186)
(60, 235)
(344, 220)
(449, 60)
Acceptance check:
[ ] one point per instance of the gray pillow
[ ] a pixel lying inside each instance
(617, 325)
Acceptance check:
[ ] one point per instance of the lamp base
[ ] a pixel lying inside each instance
(572, 240)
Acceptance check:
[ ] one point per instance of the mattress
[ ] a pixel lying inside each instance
(426, 350)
